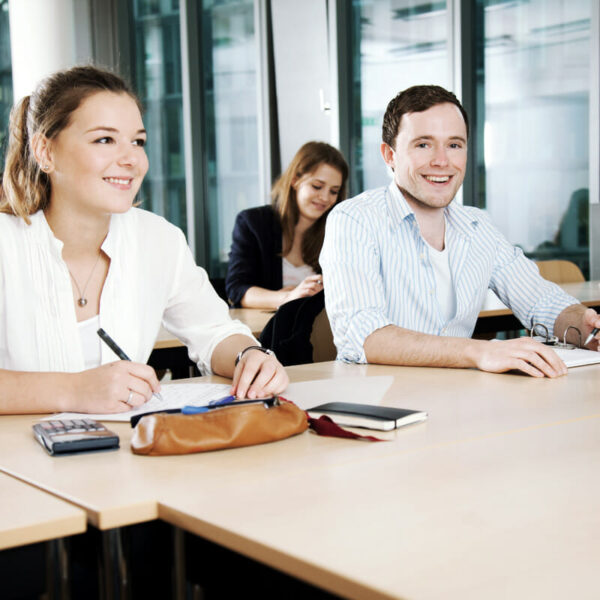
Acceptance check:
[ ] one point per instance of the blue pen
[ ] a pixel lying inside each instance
(221, 401)
(195, 410)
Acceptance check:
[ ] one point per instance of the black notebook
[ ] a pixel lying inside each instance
(384, 418)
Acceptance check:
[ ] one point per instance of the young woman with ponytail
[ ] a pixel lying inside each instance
(75, 256)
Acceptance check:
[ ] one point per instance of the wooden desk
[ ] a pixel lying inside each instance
(587, 292)
(170, 353)
(463, 404)
(494, 496)
(29, 515)
(254, 318)
(495, 316)
(502, 516)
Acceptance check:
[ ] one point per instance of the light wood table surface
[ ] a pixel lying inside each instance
(495, 495)
(29, 515)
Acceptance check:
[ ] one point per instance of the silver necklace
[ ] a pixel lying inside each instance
(82, 300)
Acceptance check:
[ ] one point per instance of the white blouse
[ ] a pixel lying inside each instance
(152, 279)
(293, 275)
(91, 344)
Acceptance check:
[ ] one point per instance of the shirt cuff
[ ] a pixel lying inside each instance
(360, 327)
(203, 360)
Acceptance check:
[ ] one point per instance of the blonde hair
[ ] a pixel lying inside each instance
(47, 111)
(306, 161)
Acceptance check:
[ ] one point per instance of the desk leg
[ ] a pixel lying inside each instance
(57, 570)
(114, 571)
(179, 583)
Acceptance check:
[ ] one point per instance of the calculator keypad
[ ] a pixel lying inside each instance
(73, 435)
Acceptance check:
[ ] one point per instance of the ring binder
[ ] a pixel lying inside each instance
(552, 340)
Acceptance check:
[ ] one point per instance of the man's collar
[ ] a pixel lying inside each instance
(400, 210)
(462, 220)
(397, 205)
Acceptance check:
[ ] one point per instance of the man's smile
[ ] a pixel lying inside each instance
(438, 178)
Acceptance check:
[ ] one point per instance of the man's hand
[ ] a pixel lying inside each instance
(522, 354)
(114, 387)
(258, 375)
(590, 321)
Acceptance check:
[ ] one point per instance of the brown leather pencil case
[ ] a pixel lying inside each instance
(161, 434)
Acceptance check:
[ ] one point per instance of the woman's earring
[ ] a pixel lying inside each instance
(45, 168)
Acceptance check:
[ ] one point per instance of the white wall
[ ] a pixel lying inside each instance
(302, 69)
(45, 36)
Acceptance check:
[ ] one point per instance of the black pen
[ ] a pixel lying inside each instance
(112, 344)
(118, 351)
(591, 336)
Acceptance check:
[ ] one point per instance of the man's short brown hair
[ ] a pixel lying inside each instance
(415, 99)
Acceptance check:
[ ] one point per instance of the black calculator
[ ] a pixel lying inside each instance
(74, 435)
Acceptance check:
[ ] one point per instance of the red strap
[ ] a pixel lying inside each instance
(326, 427)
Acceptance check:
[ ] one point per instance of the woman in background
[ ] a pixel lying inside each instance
(75, 256)
(275, 249)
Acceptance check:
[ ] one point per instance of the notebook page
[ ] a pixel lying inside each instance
(174, 396)
(577, 357)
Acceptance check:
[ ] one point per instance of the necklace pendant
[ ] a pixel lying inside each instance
(82, 301)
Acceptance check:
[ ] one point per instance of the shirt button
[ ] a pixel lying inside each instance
(422, 256)
(431, 292)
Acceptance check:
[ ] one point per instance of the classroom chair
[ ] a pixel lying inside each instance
(560, 271)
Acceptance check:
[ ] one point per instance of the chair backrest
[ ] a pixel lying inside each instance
(321, 339)
(560, 271)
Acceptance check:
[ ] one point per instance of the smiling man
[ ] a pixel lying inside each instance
(406, 269)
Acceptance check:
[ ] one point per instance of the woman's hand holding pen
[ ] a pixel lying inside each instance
(115, 387)
(258, 375)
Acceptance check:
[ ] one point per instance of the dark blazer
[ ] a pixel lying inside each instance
(255, 257)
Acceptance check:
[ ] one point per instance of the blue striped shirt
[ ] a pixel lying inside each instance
(377, 272)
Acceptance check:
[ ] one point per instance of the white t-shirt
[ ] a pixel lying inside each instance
(294, 275)
(445, 294)
(152, 279)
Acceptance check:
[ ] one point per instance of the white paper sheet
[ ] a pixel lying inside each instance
(574, 357)
(306, 394)
(174, 396)
(578, 357)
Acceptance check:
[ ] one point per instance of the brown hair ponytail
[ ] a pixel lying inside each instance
(24, 185)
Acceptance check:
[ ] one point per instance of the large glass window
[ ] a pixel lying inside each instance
(534, 169)
(401, 43)
(6, 92)
(228, 106)
(158, 81)
(229, 56)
